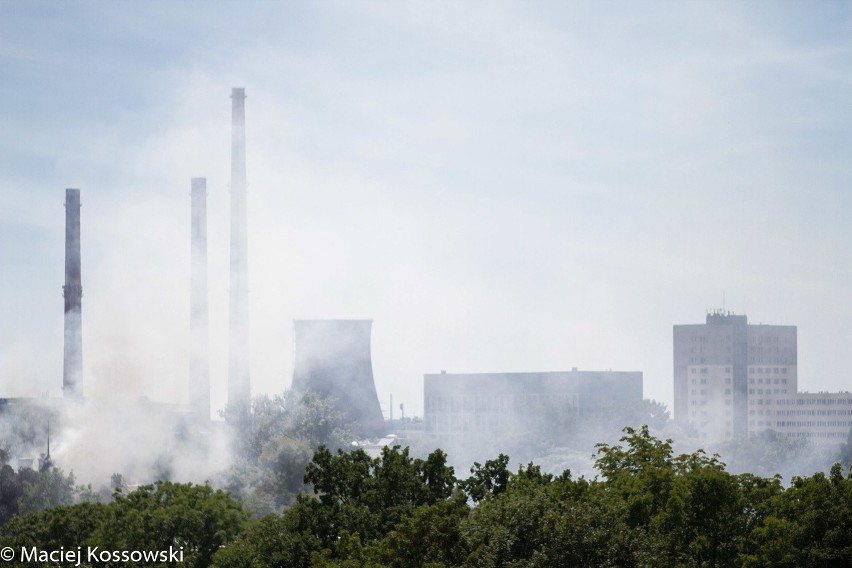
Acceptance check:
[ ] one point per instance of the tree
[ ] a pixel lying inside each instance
(63, 526)
(809, 525)
(274, 443)
(845, 456)
(767, 453)
(690, 504)
(702, 515)
(642, 473)
(195, 518)
(273, 541)
(10, 493)
(429, 536)
(44, 489)
(489, 479)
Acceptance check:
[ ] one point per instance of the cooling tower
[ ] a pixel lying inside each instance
(199, 357)
(72, 291)
(333, 359)
(239, 390)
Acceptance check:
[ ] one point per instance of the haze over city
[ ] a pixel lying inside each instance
(499, 186)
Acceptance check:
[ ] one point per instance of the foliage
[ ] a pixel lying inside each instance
(196, 518)
(193, 518)
(29, 491)
(769, 452)
(845, 456)
(646, 507)
(489, 479)
(273, 446)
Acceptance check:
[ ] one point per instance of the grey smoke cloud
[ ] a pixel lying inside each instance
(511, 187)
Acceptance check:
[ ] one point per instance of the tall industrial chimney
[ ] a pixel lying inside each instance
(72, 291)
(238, 364)
(199, 358)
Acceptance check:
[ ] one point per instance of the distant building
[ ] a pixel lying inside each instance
(733, 379)
(461, 406)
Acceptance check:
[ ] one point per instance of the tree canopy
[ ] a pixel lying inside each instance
(647, 506)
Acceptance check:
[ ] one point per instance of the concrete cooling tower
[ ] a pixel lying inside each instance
(333, 359)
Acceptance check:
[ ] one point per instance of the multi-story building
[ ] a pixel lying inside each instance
(734, 379)
(476, 405)
(822, 417)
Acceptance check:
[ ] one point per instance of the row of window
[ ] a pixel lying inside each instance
(769, 381)
(815, 401)
(841, 412)
(703, 392)
(816, 434)
(760, 370)
(813, 424)
(496, 403)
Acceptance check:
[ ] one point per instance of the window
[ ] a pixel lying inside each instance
(727, 391)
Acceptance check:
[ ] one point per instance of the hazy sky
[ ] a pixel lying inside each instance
(500, 186)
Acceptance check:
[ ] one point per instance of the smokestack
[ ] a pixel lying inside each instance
(238, 364)
(199, 359)
(72, 291)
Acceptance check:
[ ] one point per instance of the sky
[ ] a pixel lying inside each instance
(499, 186)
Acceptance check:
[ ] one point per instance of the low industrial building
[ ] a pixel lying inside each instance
(459, 406)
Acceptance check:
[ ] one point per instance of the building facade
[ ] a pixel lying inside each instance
(733, 379)
(471, 405)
